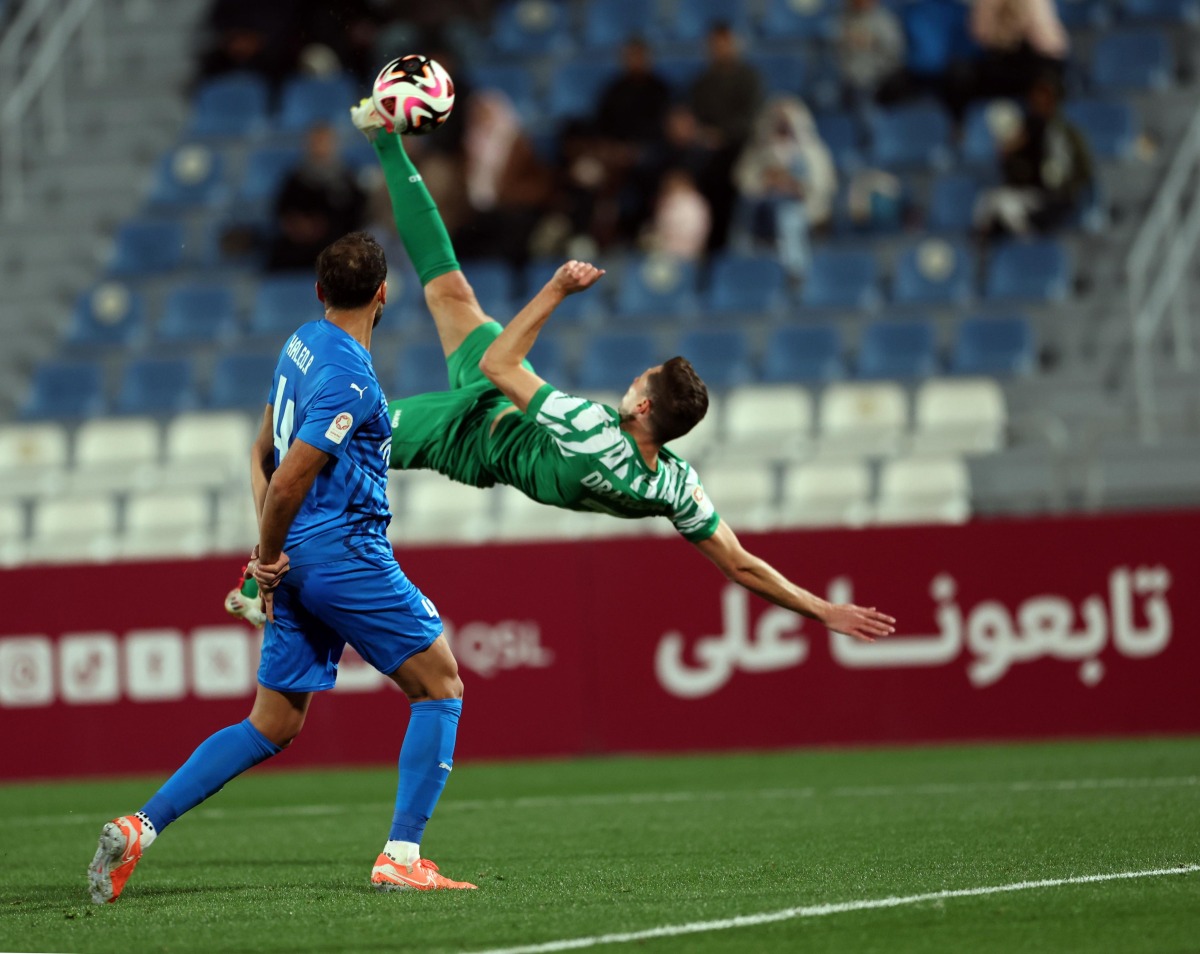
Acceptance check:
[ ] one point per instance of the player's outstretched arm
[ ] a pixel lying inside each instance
(758, 576)
(502, 362)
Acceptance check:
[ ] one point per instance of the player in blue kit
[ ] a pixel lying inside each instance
(328, 577)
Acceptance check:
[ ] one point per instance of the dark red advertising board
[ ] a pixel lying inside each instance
(1008, 629)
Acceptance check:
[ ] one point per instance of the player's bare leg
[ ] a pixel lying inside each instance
(456, 311)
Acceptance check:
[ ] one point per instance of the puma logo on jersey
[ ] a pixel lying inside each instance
(443, 765)
(361, 391)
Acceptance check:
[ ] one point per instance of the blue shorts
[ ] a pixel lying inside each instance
(364, 600)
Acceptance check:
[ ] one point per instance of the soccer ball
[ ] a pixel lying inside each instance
(414, 93)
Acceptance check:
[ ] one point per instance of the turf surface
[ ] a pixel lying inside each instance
(279, 860)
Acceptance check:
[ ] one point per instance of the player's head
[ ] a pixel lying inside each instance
(671, 398)
(351, 273)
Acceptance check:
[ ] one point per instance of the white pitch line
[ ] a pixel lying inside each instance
(821, 910)
(214, 813)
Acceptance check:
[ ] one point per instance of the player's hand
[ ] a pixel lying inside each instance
(269, 574)
(576, 276)
(865, 623)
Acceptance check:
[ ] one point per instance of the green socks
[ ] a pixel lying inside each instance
(421, 228)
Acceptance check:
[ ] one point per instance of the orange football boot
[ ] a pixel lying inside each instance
(119, 852)
(388, 875)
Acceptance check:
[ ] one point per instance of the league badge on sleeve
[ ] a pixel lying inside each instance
(340, 427)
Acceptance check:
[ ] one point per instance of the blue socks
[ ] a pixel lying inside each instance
(222, 756)
(426, 758)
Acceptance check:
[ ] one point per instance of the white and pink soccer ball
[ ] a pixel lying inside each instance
(414, 94)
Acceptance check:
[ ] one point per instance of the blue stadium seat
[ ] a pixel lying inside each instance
(1135, 60)
(549, 361)
(843, 135)
(908, 137)
(1084, 14)
(230, 106)
(994, 346)
(842, 278)
(979, 148)
(1109, 126)
(611, 360)
(747, 285)
(898, 349)
(584, 308)
(783, 72)
(145, 247)
(243, 381)
(656, 287)
(935, 272)
(65, 389)
(786, 19)
(1040, 270)
(191, 176)
(576, 88)
(420, 367)
(1160, 11)
(611, 23)
(807, 353)
(112, 313)
(531, 28)
(199, 313)
(722, 358)
(952, 203)
(309, 100)
(692, 20)
(514, 81)
(157, 386)
(679, 70)
(266, 168)
(283, 304)
(493, 283)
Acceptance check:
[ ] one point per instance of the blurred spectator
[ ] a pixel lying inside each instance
(938, 47)
(681, 218)
(1021, 39)
(319, 201)
(870, 48)
(787, 180)
(348, 28)
(507, 186)
(1045, 163)
(254, 37)
(633, 107)
(724, 100)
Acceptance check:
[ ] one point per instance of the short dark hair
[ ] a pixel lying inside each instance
(678, 399)
(351, 270)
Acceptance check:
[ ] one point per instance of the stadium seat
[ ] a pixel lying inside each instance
(783, 73)
(609, 24)
(923, 490)
(549, 361)
(266, 168)
(242, 381)
(898, 349)
(959, 416)
(199, 313)
(309, 100)
(439, 509)
(911, 137)
(994, 345)
(861, 420)
(232, 106)
(952, 203)
(157, 386)
(33, 459)
(523, 28)
(691, 21)
(742, 492)
(65, 389)
(842, 278)
(826, 493)
(175, 522)
(207, 449)
(144, 247)
(1135, 60)
(237, 522)
(807, 353)
(979, 148)
(935, 272)
(768, 422)
(679, 70)
(1084, 14)
(1039, 270)
(420, 367)
(657, 287)
(12, 532)
(1110, 126)
(1160, 11)
(746, 285)
(843, 135)
(512, 80)
(70, 529)
(518, 517)
(283, 304)
(493, 281)
(721, 358)
(790, 20)
(115, 454)
(191, 176)
(112, 313)
(576, 87)
(611, 360)
(589, 307)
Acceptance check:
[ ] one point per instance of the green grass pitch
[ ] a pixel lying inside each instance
(279, 861)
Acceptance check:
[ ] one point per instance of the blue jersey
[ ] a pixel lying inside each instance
(325, 393)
